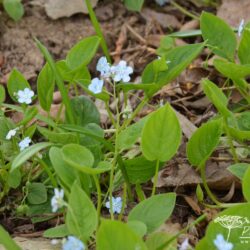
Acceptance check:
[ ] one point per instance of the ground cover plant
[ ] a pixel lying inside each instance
(91, 177)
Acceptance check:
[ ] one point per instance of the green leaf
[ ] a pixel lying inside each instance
(134, 5)
(16, 82)
(81, 218)
(138, 227)
(84, 111)
(185, 33)
(115, 235)
(199, 193)
(179, 58)
(244, 49)
(62, 169)
(239, 169)
(45, 87)
(80, 158)
(6, 240)
(219, 35)
(203, 142)
(82, 53)
(139, 169)
(37, 193)
(243, 120)
(58, 137)
(69, 75)
(154, 211)
(156, 240)
(216, 96)
(2, 94)
(166, 44)
(56, 232)
(128, 137)
(5, 126)
(14, 178)
(246, 185)
(161, 135)
(14, 8)
(27, 153)
(232, 70)
(233, 224)
(29, 114)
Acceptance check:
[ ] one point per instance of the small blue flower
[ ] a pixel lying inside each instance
(222, 244)
(24, 143)
(25, 96)
(162, 2)
(121, 72)
(103, 67)
(241, 27)
(72, 243)
(116, 205)
(96, 86)
(57, 201)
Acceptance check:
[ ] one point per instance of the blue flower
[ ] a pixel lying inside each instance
(96, 86)
(72, 243)
(121, 72)
(24, 143)
(116, 205)
(222, 244)
(162, 2)
(25, 96)
(57, 201)
(103, 67)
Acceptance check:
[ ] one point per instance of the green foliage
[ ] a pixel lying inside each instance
(81, 219)
(14, 8)
(45, 87)
(244, 49)
(16, 82)
(246, 185)
(6, 240)
(82, 53)
(135, 5)
(116, 235)
(37, 193)
(161, 135)
(154, 211)
(203, 142)
(219, 35)
(239, 169)
(56, 232)
(2, 94)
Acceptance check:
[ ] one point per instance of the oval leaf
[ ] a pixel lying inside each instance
(203, 142)
(161, 135)
(154, 211)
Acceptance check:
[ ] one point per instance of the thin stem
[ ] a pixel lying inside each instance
(124, 201)
(44, 165)
(99, 196)
(98, 30)
(204, 181)
(155, 177)
(197, 221)
(230, 141)
(110, 114)
(134, 114)
(184, 11)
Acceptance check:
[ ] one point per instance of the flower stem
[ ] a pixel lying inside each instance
(155, 177)
(204, 181)
(98, 30)
(99, 196)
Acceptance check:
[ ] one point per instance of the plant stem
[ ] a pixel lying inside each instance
(198, 220)
(98, 30)
(99, 196)
(184, 11)
(204, 181)
(230, 141)
(155, 177)
(124, 200)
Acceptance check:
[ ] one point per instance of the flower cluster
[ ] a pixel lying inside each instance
(57, 201)
(11, 133)
(119, 72)
(24, 143)
(222, 244)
